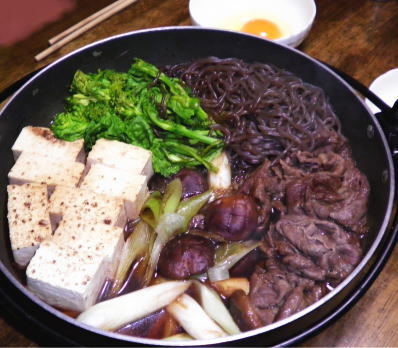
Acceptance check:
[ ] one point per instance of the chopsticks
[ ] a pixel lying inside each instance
(81, 27)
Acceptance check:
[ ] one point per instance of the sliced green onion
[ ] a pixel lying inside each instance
(226, 256)
(191, 316)
(168, 225)
(191, 206)
(215, 308)
(152, 209)
(217, 273)
(179, 337)
(135, 246)
(118, 311)
(221, 180)
(172, 196)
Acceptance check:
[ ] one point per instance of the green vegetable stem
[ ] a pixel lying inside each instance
(143, 107)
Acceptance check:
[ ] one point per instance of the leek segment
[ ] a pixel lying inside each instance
(215, 308)
(228, 255)
(119, 311)
(136, 245)
(172, 196)
(191, 316)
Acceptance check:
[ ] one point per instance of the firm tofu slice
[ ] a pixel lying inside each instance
(28, 220)
(118, 183)
(69, 270)
(95, 239)
(41, 140)
(120, 155)
(75, 204)
(31, 167)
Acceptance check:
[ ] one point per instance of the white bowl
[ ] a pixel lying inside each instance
(293, 17)
(386, 88)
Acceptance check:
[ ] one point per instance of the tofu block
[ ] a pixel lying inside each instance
(74, 204)
(69, 270)
(94, 239)
(118, 183)
(42, 141)
(31, 168)
(116, 154)
(28, 220)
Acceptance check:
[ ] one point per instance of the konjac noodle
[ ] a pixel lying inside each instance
(256, 209)
(264, 111)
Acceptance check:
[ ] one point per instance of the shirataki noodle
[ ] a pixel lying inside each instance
(263, 111)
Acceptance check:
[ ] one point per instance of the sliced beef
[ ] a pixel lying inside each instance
(268, 291)
(303, 192)
(277, 293)
(312, 213)
(281, 248)
(333, 188)
(326, 185)
(351, 210)
(294, 302)
(330, 141)
(266, 187)
(324, 243)
(300, 297)
(303, 163)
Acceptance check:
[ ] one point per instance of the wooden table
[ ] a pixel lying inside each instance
(359, 37)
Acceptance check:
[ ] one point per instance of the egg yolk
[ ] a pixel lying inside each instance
(263, 28)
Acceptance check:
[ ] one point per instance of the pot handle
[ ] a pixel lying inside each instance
(387, 117)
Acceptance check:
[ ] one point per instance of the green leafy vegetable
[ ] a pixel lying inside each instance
(143, 107)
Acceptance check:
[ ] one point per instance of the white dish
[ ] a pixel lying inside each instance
(294, 18)
(386, 88)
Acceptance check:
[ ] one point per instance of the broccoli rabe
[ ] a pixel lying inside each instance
(143, 107)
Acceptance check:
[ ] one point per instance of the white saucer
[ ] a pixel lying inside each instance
(386, 88)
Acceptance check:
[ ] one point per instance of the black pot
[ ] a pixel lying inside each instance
(37, 102)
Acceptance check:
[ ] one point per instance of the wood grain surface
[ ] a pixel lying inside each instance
(360, 37)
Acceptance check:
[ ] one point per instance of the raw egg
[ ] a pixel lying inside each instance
(263, 28)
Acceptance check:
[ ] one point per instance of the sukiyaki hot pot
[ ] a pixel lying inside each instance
(309, 200)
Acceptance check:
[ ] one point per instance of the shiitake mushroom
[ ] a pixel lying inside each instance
(186, 255)
(193, 182)
(232, 217)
